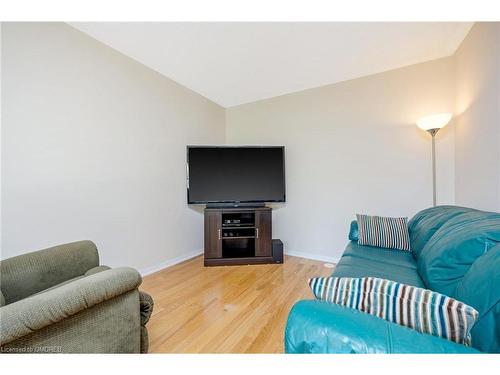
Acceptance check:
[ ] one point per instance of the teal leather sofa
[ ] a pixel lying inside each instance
(455, 251)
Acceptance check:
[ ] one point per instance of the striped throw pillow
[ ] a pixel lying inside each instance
(390, 232)
(420, 309)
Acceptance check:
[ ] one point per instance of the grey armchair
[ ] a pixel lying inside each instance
(60, 300)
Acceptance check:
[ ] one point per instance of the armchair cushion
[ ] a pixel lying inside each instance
(92, 271)
(59, 285)
(36, 312)
(96, 270)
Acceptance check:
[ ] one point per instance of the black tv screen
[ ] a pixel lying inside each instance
(235, 174)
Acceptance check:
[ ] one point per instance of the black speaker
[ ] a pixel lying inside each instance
(278, 251)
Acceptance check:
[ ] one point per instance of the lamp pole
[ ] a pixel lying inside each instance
(433, 133)
(432, 124)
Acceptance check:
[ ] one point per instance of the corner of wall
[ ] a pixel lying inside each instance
(477, 117)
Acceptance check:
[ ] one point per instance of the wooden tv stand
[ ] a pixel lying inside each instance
(240, 235)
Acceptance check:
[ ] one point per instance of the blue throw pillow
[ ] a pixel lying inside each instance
(420, 309)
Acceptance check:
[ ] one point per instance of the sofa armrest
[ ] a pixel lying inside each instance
(321, 327)
(36, 312)
(27, 274)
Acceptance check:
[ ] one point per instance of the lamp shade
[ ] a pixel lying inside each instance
(437, 121)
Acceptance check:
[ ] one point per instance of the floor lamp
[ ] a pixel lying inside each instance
(432, 124)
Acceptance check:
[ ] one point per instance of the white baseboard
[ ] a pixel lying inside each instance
(169, 263)
(172, 262)
(321, 258)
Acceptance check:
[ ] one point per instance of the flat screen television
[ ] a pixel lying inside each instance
(235, 174)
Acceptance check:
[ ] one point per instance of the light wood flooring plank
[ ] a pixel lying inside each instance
(229, 309)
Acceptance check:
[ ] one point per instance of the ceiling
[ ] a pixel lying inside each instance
(236, 63)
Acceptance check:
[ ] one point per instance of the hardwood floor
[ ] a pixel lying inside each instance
(232, 309)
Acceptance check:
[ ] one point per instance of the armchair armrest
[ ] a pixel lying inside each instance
(322, 327)
(36, 312)
(146, 306)
(27, 274)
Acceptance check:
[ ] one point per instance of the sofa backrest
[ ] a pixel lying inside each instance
(424, 224)
(27, 274)
(480, 288)
(458, 254)
(455, 246)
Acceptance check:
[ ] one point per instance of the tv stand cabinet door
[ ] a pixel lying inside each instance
(263, 241)
(213, 241)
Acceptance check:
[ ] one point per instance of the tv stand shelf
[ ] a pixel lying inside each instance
(238, 235)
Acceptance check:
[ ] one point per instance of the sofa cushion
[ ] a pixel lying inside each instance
(454, 247)
(368, 261)
(426, 222)
(319, 327)
(388, 232)
(480, 289)
(420, 309)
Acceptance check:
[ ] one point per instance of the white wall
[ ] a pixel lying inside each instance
(353, 147)
(93, 147)
(477, 165)
(1, 132)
